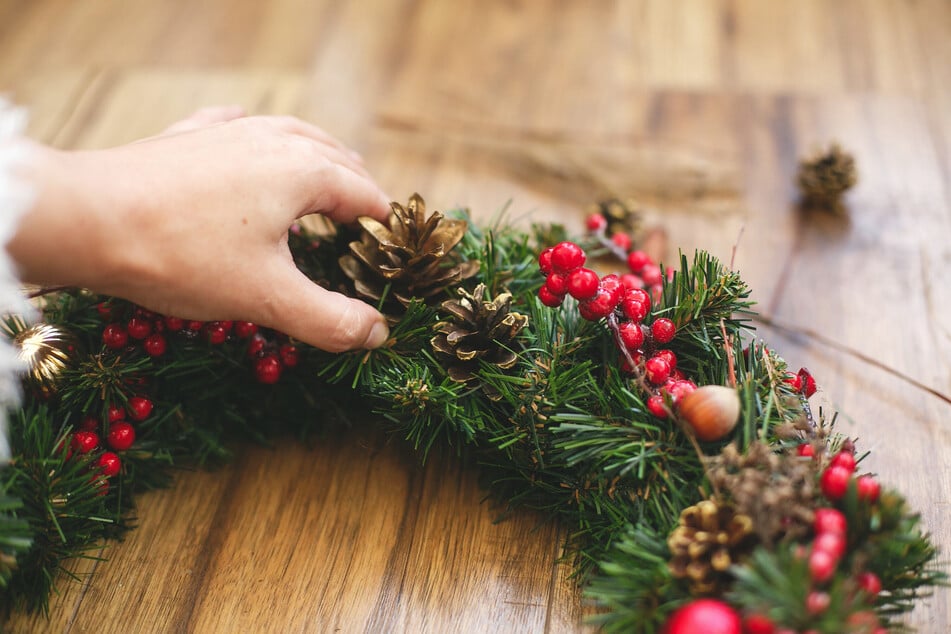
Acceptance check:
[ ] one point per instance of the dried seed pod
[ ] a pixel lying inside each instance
(711, 411)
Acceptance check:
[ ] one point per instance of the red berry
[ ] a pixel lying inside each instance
(289, 355)
(657, 293)
(832, 543)
(612, 284)
(174, 323)
(114, 336)
(668, 356)
(89, 423)
(704, 616)
(216, 333)
(155, 345)
(652, 275)
(817, 602)
(630, 281)
(601, 305)
(845, 459)
(680, 388)
(105, 310)
(835, 482)
(244, 329)
(870, 584)
(637, 260)
(631, 335)
(116, 413)
(139, 328)
(663, 330)
(84, 441)
(227, 325)
(582, 283)
(808, 383)
(596, 222)
(656, 369)
(195, 325)
(557, 284)
(636, 304)
(829, 520)
(268, 369)
(868, 488)
(822, 565)
(634, 308)
(139, 408)
(256, 345)
(806, 450)
(622, 240)
(758, 624)
(655, 405)
(121, 436)
(794, 382)
(566, 257)
(109, 464)
(546, 296)
(544, 260)
(626, 367)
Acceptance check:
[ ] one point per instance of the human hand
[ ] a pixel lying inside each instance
(193, 223)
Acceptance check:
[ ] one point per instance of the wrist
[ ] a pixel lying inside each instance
(66, 238)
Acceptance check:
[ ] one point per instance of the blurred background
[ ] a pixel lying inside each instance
(700, 110)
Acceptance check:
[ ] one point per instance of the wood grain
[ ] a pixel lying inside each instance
(698, 108)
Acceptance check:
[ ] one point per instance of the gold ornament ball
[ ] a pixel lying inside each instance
(711, 411)
(47, 351)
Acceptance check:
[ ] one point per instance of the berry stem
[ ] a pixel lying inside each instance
(610, 246)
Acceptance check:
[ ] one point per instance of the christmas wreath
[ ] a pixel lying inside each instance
(702, 491)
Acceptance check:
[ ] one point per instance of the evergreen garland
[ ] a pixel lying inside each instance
(565, 430)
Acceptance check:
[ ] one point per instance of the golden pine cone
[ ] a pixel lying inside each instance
(478, 330)
(824, 177)
(709, 538)
(412, 256)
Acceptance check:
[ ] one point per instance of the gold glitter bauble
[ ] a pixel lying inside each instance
(47, 351)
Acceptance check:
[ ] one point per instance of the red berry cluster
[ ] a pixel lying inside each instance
(828, 547)
(271, 356)
(120, 437)
(837, 477)
(149, 330)
(624, 300)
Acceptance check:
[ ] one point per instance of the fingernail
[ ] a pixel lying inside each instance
(378, 336)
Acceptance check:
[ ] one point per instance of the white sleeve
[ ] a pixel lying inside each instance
(15, 200)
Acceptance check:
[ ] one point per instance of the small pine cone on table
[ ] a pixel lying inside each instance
(478, 330)
(709, 538)
(622, 215)
(413, 256)
(824, 177)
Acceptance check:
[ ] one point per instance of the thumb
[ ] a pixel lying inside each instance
(325, 319)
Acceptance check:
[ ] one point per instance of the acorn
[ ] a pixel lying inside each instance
(711, 411)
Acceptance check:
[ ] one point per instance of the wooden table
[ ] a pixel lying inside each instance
(700, 109)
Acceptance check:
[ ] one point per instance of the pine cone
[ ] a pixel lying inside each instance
(777, 490)
(478, 330)
(708, 540)
(825, 177)
(622, 215)
(412, 256)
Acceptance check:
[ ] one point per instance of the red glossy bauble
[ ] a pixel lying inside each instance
(704, 616)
